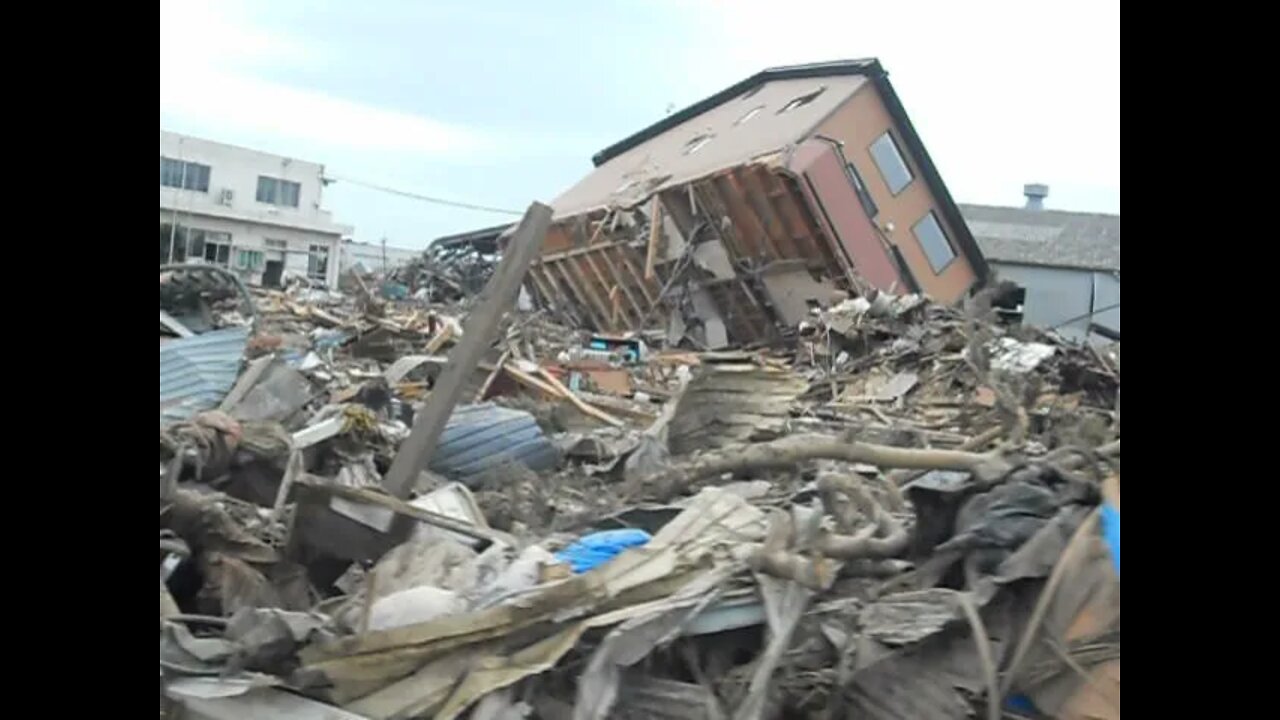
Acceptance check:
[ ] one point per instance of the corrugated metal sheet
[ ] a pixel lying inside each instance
(479, 437)
(197, 372)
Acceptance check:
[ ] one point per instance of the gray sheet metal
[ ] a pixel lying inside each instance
(478, 437)
(196, 373)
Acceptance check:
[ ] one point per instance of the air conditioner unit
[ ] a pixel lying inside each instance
(226, 197)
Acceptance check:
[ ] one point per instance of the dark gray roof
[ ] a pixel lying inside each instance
(1045, 237)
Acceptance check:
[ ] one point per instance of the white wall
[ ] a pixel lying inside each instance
(1064, 298)
(254, 236)
(249, 222)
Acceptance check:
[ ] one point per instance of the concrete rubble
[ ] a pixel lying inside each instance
(887, 508)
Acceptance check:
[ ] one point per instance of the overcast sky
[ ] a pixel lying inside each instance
(500, 102)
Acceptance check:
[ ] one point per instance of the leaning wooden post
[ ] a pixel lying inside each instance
(477, 335)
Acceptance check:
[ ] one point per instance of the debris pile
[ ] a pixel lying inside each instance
(907, 511)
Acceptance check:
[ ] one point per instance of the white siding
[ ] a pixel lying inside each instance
(1064, 299)
(230, 204)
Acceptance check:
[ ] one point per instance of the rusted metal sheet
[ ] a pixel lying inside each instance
(828, 189)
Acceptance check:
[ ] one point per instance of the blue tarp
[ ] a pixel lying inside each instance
(596, 549)
(1111, 532)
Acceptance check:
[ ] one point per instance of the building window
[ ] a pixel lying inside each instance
(173, 244)
(865, 197)
(889, 160)
(217, 246)
(696, 144)
(749, 114)
(318, 263)
(249, 259)
(183, 175)
(937, 248)
(185, 244)
(274, 191)
(802, 100)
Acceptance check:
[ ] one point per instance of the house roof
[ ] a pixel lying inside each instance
(1054, 238)
(483, 240)
(641, 156)
(729, 133)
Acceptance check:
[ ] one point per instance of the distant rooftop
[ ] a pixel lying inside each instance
(1045, 237)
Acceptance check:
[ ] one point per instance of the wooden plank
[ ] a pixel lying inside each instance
(655, 231)
(578, 402)
(497, 297)
(493, 374)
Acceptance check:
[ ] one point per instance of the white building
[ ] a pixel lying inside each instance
(1066, 265)
(374, 257)
(254, 213)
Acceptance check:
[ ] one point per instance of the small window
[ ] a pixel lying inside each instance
(214, 247)
(184, 175)
(889, 160)
(749, 114)
(318, 263)
(696, 144)
(274, 191)
(937, 248)
(802, 100)
(865, 197)
(248, 259)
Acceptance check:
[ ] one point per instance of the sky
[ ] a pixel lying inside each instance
(500, 103)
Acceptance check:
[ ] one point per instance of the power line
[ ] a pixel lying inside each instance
(425, 198)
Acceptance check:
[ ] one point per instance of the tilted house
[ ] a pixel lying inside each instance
(734, 216)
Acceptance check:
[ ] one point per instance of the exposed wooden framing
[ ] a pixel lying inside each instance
(626, 287)
(581, 251)
(588, 288)
(617, 284)
(579, 297)
(497, 297)
(537, 273)
(758, 199)
(587, 270)
(780, 198)
(801, 232)
(655, 232)
(635, 273)
(761, 244)
(594, 288)
(615, 301)
(599, 228)
(716, 210)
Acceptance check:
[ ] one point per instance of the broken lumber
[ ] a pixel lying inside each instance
(794, 449)
(498, 295)
(655, 229)
(578, 402)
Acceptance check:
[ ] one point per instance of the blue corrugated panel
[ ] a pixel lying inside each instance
(196, 373)
(479, 437)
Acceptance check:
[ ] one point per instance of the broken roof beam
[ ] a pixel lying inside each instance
(498, 296)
